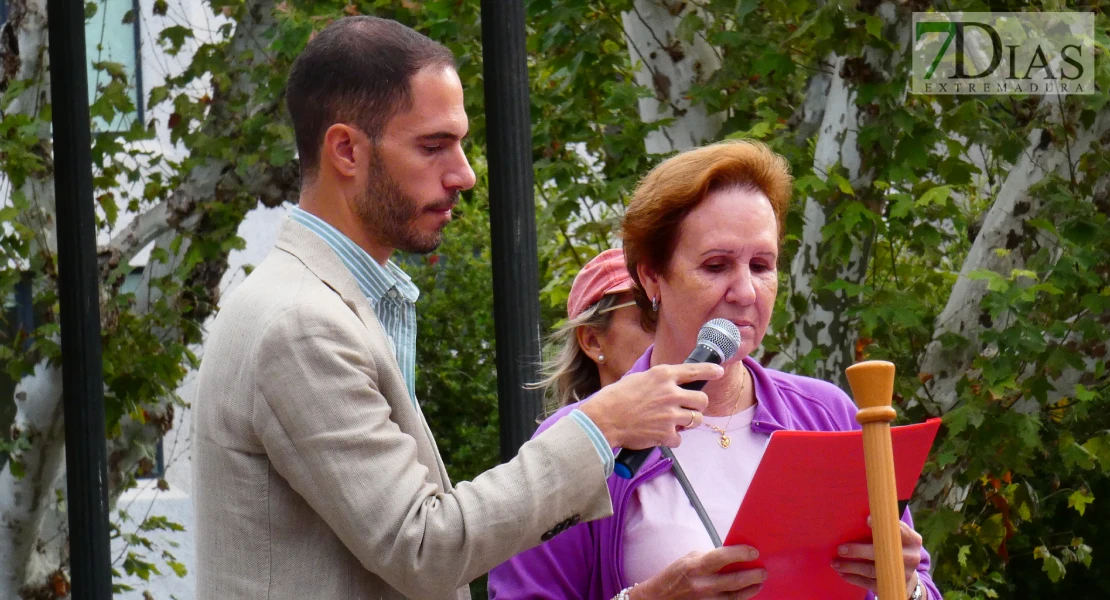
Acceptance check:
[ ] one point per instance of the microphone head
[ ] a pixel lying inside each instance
(721, 335)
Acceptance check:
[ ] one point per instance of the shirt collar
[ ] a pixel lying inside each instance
(373, 279)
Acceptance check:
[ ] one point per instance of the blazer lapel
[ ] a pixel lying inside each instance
(319, 258)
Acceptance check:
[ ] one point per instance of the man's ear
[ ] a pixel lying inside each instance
(589, 341)
(343, 148)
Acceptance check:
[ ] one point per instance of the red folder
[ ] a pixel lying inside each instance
(808, 496)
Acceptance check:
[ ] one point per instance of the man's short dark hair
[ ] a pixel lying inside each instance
(356, 71)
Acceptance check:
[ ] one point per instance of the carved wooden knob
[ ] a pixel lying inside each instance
(872, 383)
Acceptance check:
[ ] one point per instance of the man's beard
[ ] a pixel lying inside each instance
(390, 215)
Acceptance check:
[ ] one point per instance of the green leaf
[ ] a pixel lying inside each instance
(995, 282)
(810, 183)
(1075, 455)
(992, 532)
(1053, 566)
(160, 522)
(1083, 394)
(108, 203)
(963, 417)
(1082, 551)
(760, 130)
(962, 555)
(1026, 500)
(874, 26)
(901, 206)
(936, 195)
(1079, 499)
(1080, 232)
(1099, 447)
(178, 568)
(176, 36)
(937, 526)
(843, 184)
(158, 94)
(744, 8)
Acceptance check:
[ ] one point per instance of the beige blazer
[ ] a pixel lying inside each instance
(315, 475)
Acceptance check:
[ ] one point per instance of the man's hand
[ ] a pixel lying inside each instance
(644, 410)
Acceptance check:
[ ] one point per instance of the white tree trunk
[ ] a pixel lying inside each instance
(30, 547)
(1003, 229)
(822, 324)
(28, 504)
(830, 106)
(27, 25)
(669, 67)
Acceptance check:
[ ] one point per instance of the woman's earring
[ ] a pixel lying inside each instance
(655, 304)
(600, 358)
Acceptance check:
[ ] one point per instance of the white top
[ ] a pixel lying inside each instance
(662, 526)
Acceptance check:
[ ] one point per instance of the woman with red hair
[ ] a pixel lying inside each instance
(702, 236)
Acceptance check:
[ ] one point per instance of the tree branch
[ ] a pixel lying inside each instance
(142, 230)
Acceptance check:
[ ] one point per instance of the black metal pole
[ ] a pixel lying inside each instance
(78, 295)
(516, 305)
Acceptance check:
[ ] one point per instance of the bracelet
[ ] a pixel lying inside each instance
(626, 593)
(918, 593)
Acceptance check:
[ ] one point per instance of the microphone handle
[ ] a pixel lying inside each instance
(628, 462)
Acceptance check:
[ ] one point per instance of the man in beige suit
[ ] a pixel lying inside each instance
(316, 475)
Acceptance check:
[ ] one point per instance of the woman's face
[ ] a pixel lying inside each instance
(622, 343)
(724, 266)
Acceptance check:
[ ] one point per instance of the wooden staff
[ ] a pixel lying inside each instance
(873, 386)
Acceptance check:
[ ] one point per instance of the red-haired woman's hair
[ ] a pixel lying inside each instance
(679, 184)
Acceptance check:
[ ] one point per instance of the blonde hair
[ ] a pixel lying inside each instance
(676, 186)
(570, 375)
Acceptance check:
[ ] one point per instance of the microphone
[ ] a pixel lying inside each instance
(718, 341)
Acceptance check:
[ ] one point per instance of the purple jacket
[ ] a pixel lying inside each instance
(586, 561)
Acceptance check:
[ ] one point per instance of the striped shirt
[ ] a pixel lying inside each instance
(390, 291)
(393, 295)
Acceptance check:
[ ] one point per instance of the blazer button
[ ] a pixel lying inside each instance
(548, 535)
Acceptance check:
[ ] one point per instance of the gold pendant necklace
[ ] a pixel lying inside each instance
(724, 441)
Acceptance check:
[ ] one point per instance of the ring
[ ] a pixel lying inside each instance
(692, 416)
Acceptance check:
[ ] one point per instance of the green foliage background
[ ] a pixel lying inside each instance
(1025, 528)
(1034, 466)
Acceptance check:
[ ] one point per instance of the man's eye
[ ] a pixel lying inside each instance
(432, 148)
